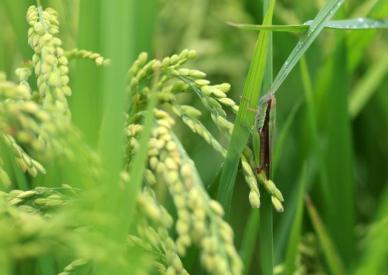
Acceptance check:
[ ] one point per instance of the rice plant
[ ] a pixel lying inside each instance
(160, 138)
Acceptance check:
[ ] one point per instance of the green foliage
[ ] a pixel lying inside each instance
(155, 167)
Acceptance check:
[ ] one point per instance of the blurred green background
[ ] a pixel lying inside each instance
(332, 111)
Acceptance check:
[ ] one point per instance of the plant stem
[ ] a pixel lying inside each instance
(38, 3)
(266, 230)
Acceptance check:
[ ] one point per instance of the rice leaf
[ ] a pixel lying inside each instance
(2, 52)
(117, 44)
(312, 117)
(375, 250)
(346, 24)
(248, 243)
(139, 162)
(368, 85)
(87, 77)
(266, 236)
(245, 117)
(146, 14)
(15, 11)
(283, 134)
(338, 156)
(357, 42)
(296, 229)
(273, 28)
(333, 260)
(317, 25)
(266, 249)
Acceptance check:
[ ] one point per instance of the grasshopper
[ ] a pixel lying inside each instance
(262, 133)
(265, 124)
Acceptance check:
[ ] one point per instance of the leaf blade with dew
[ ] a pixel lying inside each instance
(356, 24)
(245, 117)
(333, 260)
(345, 24)
(317, 25)
(357, 42)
